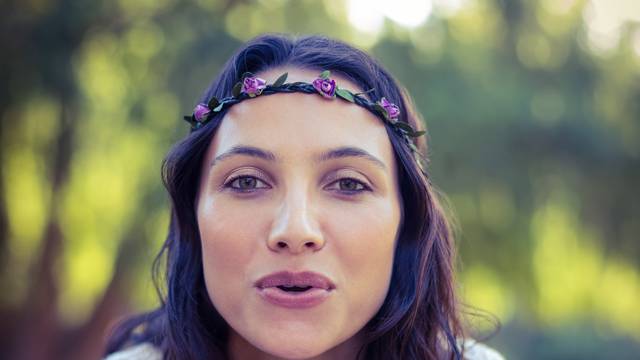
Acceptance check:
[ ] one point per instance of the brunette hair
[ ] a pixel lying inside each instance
(419, 318)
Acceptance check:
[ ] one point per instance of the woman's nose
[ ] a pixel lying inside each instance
(295, 228)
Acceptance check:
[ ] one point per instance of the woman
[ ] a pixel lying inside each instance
(304, 224)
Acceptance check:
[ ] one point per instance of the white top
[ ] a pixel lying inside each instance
(145, 351)
(478, 351)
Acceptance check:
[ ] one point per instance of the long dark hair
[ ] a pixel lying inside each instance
(419, 318)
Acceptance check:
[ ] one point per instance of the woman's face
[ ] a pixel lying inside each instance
(304, 188)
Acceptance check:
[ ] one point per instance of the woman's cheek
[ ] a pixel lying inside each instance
(365, 230)
(228, 240)
(226, 254)
(364, 243)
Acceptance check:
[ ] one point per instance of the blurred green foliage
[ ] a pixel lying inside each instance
(534, 137)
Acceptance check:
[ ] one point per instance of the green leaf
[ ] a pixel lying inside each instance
(417, 133)
(325, 74)
(219, 107)
(246, 75)
(281, 80)
(379, 108)
(405, 127)
(236, 89)
(345, 94)
(213, 103)
(365, 92)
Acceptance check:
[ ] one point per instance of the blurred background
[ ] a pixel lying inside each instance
(533, 110)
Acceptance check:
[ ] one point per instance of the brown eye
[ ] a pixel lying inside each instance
(350, 185)
(245, 183)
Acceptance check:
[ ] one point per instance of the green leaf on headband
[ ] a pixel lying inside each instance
(191, 120)
(237, 88)
(414, 147)
(219, 107)
(281, 80)
(325, 74)
(246, 75)
(213, 103)
(345, 94)
(379, 108)
(365, 92)
(417, 133)
(405, 127)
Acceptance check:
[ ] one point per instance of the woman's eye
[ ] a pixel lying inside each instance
(245, 183)
(349, 185)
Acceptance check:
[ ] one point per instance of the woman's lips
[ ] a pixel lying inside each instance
(294, 300)
(306, 289)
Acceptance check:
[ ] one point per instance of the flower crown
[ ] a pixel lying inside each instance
(251, 86)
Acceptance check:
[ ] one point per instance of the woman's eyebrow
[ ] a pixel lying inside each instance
(247, 151)
(350, 151)
(338, 153)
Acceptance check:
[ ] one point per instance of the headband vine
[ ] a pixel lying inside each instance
(251, 86)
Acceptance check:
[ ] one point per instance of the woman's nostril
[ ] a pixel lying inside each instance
(309, 244)
(281, 244)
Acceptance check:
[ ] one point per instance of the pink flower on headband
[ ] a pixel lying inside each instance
(393, 111)
(253, 86)
(326, 87)
(201, 111)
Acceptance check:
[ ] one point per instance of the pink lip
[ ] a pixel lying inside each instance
(320, 289)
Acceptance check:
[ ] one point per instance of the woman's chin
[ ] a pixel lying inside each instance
(294, 347)
(295, 352)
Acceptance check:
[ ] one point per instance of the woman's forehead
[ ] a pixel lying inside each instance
(300, 123)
